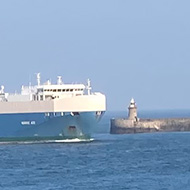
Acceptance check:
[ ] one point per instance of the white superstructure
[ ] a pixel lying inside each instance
(49, 97)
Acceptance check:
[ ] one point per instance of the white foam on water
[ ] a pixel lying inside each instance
(20, 142)
(76, 140)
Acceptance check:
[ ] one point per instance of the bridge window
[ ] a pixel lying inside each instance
(40, 90)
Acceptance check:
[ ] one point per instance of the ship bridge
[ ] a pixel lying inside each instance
(49, 92)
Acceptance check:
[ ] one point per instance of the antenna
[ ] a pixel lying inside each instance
(30, 81)
(38, 78)
(88, 87)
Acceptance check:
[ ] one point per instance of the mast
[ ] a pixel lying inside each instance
(88, 87)
(38, 79)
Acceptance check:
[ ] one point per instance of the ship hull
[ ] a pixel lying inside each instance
(55, 125)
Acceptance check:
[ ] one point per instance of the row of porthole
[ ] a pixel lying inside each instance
(62, 90)
(54, 114)
(59, 114)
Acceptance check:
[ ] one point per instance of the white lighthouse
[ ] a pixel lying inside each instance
(132, 115)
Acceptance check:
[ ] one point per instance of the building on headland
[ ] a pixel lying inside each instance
(132, 111)
(133, 124)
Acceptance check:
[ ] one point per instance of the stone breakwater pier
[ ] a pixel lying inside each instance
(133, 124)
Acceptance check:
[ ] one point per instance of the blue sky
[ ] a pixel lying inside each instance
(133, 48)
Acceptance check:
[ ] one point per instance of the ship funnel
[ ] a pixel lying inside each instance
(59, 80)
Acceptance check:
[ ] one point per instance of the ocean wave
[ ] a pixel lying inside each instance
(76, 140)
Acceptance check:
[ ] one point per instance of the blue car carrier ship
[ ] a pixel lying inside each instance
(50, 111)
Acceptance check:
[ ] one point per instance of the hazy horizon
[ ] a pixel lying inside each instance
(127, 48)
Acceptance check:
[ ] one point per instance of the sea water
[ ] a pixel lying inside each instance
(156, 161)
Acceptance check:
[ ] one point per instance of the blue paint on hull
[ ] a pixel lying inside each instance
(47, 125)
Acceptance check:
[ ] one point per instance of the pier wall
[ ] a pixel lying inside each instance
(123, 126)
